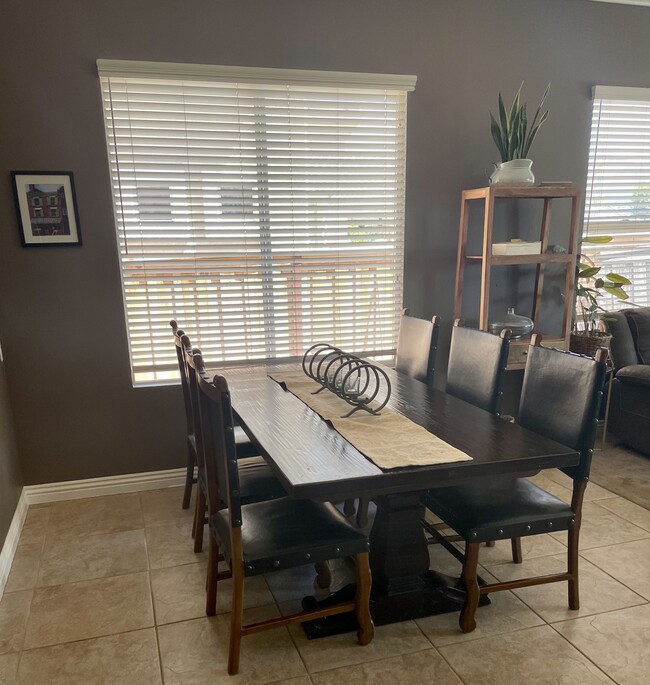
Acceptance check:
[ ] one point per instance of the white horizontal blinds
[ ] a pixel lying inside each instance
(618, 189)
(263, 217)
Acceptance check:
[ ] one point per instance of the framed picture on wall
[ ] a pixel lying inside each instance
(47, 208)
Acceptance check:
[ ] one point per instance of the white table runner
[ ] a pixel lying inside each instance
(389, 440)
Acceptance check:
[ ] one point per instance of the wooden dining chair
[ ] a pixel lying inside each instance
(417, 344)
(257, 480)
(560, 399)
(415, 356)
(477, 365)
(244, 446)
(191, 440)
(475, 372)
(268, 536)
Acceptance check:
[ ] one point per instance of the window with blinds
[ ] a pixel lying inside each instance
(263, 209)
(618, 189)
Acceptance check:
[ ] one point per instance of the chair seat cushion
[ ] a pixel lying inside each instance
(244, 446)
(638, 374)
(256, 481)
(286, 532)
(490, 509)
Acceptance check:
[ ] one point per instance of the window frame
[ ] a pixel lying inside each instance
(181, 72)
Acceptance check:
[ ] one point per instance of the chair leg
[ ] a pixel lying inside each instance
(323, 574)
(469, 577)
(362, 512)
(199, 520)
(189, 477)
(236, 618)
(579, 487)
(362, 609)
(517, 556)
(212, 580)
(349, 507)
(574, 588)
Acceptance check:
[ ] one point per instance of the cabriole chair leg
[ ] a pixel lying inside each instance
(469, 576)
(189, 479)
(572, 555)
(213, 569)
(199, 520)
(236, 619)
(517, 555)
(366, 630)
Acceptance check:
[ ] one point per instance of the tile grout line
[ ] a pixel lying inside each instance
(33, 590)
(596, 666)
(451, 668)
(153, 605)
(84, 639)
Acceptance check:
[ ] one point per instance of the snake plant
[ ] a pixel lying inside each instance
(512, 133)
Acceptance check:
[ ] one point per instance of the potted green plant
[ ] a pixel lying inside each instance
(587, 335)
(513, 136)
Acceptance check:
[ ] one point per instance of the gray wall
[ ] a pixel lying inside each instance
(76, 414)
(10, 478)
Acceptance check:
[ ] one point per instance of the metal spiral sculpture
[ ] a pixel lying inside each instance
(354, 380)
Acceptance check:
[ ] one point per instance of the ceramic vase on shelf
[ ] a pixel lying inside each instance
(519, 325)
(516, 172)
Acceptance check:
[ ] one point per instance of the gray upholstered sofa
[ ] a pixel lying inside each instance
(629, 414)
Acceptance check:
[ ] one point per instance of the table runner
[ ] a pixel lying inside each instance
(389, 440)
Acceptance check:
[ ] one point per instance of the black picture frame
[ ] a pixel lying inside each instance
(46, 205)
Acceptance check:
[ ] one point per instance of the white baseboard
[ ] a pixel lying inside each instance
(77, 489)
(11, 541)
(108, 485)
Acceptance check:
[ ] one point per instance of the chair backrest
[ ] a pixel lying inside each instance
(417, 344)
(190, 357)
(477, 363)
(218, 440)
(560, 399)
(178, 334)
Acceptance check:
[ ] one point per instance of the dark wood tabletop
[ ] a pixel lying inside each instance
(313, 461)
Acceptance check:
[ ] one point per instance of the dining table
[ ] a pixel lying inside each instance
(314, 461)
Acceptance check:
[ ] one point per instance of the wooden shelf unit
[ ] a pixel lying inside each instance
(487, 260)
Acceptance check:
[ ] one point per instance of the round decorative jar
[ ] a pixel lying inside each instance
(516, 172)
(519, 325)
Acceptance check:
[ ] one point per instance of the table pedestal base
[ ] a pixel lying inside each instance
(403, 587)
(439, 594)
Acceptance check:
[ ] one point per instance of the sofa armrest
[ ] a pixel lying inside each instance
(638, 374)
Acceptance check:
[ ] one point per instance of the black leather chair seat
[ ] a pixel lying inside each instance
(499, 508)
(244, 446)
(286, 533)
(637, 374)
(256, 481)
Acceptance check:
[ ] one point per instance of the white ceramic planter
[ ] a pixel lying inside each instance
(516, 172)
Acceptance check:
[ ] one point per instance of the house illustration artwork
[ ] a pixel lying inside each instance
(48, 212)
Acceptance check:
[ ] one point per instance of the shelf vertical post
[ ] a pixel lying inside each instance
(571, 266)
(539, 278)
(487, 259)
(462, 252)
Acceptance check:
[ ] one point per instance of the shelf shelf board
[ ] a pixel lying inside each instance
(522, 259)
(523, 192)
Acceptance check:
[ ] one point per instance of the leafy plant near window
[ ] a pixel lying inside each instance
(511, 133)
(589, 286)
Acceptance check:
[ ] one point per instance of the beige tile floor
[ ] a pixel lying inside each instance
(107, 591)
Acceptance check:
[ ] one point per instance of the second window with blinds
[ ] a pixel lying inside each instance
(618, 190)
(263, 209)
